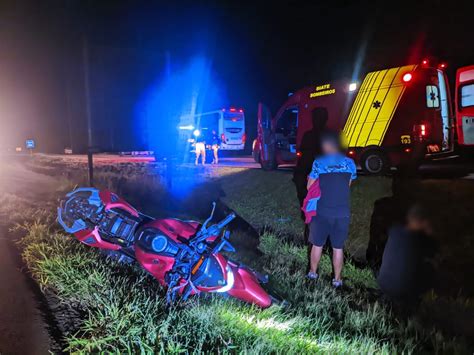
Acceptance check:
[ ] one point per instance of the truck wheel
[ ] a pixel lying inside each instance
(256, 156)
(268, 165)
(374, 162)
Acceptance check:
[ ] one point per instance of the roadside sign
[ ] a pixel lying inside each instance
(30, 144)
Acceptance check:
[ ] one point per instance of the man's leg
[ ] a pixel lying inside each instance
(197, 157)
(216, 157)
(203, 157)
(337, 263)
(318, 232)
(338, 237)
(316, 253)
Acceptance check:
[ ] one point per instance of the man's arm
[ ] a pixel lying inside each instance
(313, 175)
(352, 170)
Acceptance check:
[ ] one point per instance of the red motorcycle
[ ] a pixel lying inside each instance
(185, 256)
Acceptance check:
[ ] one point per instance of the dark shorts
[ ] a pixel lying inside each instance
(322, 227)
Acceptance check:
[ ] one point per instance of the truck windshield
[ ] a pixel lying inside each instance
(231, 116)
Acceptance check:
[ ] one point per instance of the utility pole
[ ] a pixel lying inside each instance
(87, 97)
(87, 94)
(170, 156)
(69, 111)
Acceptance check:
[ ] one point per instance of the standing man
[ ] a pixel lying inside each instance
(335, 173)
(310, 148)
(200, 148)
(215, 144)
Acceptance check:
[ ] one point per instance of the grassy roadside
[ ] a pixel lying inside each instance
(124, 308)
(121, 308)
(267, 200)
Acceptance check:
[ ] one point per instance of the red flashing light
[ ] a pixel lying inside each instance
(299, 154)
(420, 130)
(423, 130)
(223, 138)
(244, 138)
(232, 109)
(351, 152)
(407, 150)
(443, 66)
(241, 110)
(407, 77)
(425, 62)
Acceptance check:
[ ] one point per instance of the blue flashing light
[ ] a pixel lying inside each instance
(196, 133)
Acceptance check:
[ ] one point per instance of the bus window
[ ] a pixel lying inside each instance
(467, 95)
(234, 117)
(432, 96)
(208, 121)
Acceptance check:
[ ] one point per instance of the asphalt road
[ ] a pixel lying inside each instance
(455, 167)
(105, 159)
(22, 329)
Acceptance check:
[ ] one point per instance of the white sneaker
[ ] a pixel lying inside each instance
(312, 276)
(337, 283)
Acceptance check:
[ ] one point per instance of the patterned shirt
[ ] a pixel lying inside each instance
(334, 172)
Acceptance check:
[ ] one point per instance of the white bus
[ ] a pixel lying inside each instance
(228, 123)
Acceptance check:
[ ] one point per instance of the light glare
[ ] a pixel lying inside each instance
(407, 77)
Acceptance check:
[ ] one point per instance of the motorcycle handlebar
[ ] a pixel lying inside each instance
(226, 221)
(212, 230)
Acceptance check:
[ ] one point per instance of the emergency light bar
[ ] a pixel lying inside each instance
(233, 109)
(187, 128)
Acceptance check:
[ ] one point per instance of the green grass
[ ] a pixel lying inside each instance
(124, 309)
(267, 200)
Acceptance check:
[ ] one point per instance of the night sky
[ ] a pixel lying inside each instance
(256, 52)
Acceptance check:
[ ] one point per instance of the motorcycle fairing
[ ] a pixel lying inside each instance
(112, 201)
(212, 275)
(93, 239)
(156, 265)
(247, 287)
(176, 228)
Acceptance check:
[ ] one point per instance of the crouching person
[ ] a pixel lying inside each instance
(406, 271)
(334, 172)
